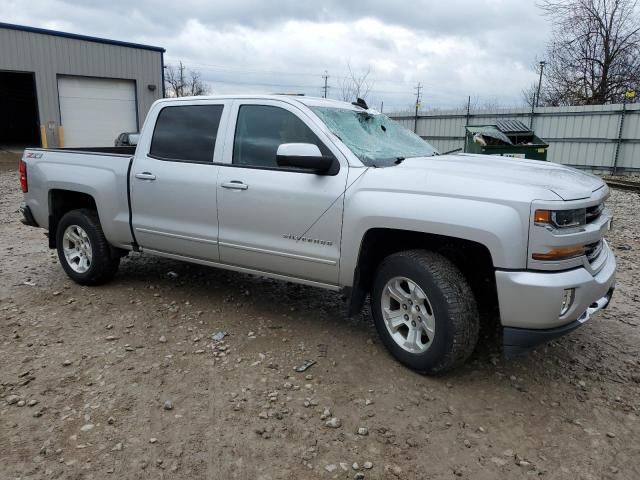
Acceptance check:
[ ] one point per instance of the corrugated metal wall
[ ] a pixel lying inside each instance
(49, 56)
(584, 137)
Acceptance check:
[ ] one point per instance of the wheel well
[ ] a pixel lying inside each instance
(61, 202)
(472, 258)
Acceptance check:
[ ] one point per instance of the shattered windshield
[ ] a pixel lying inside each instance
(373, 137)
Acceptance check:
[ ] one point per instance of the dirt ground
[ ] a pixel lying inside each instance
(124, 381)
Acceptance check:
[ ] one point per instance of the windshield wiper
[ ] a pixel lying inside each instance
(399, 160)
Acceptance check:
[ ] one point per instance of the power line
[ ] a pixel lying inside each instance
(303, 86)
(257, 71)
(208, 66)
(244, 71)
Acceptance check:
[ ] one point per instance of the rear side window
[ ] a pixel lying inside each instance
(186, 133)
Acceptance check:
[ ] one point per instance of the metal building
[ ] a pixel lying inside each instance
(60, 89)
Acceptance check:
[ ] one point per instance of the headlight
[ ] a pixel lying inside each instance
(561, 218)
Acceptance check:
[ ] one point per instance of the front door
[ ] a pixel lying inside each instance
(275, 219)
(173, 182)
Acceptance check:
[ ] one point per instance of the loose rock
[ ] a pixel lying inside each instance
(333, 422)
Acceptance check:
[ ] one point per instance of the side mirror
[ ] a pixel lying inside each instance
(306, 156)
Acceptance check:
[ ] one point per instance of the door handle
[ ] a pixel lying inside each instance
(235, 185)
(145, 176)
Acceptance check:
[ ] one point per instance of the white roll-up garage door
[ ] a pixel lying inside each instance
(95, 110)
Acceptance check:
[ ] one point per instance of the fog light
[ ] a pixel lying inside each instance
(567, 300)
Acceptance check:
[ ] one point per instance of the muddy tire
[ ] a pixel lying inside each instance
(84, 252)
(424, 311)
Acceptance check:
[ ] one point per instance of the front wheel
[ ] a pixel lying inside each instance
(83, 250)
(424, 311)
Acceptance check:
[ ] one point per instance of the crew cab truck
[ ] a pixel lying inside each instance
(338, 196)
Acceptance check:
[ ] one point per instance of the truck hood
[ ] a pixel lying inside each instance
(566, 182)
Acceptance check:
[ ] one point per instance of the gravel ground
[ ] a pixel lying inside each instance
(125, 381)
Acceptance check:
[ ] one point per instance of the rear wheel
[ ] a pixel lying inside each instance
(83, 250)
(424, 311)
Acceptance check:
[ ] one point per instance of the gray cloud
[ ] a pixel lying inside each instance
(456, 48)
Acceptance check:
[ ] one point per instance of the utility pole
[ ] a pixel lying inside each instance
(325, 75)
(415, 122)
(466, 122)
(536, 99)
(542, 64)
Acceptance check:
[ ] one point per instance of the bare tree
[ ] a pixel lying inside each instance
(529, 95)
(594, 55)
(182, 82)
(356, 85)
(549, 97)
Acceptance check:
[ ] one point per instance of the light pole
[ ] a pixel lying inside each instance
(542, 64)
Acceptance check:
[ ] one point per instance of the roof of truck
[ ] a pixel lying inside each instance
(293, 99)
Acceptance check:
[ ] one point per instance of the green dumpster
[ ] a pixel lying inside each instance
(508, 138)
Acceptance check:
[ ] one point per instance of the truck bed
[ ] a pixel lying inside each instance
(98, 172)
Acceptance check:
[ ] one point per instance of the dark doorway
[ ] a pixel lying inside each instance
(18, 110)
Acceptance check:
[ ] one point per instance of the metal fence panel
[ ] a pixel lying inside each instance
(581, 136)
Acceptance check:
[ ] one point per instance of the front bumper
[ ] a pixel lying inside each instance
(530, 302)
(517, 341)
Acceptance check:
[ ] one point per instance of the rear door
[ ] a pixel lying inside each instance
(173, 180)
(275, 219)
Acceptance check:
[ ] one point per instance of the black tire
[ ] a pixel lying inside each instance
(451, 299)
(104, 260)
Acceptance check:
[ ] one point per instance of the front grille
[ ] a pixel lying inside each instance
(593, 213)
(592, 250)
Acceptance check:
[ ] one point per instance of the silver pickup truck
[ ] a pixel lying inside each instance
(338, 196)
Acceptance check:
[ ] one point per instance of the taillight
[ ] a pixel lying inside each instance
(24, 185)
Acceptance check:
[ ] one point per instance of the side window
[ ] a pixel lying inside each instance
(186, 133)
(261, 129)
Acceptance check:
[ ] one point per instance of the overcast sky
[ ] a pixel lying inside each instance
(455, 48)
